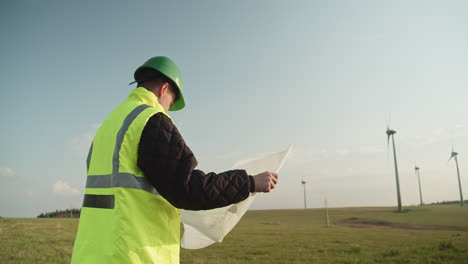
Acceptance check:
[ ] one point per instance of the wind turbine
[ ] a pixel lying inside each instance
(390, 133)
(454, 156)
(416, 170)
(305, 200)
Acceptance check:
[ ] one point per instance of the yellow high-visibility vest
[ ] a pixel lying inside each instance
(124, 219)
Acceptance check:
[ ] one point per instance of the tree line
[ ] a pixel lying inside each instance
(447, 202)
(67, 213)
(75, 213)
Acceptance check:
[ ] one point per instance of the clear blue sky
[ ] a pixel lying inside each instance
(259, 75)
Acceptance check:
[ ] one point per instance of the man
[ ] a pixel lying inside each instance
(140, 171)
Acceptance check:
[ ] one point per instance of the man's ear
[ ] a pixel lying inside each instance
(162, 90)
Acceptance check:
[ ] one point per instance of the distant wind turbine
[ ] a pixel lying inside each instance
(416, 170)
(390, 133)
(454, 156)
(305, 200)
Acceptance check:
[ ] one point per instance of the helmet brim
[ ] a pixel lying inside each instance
(179, 103)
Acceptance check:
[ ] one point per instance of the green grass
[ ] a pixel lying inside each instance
(301, 236)
(279, 236)
(37, 240)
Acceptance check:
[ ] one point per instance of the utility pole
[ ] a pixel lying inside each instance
(454, 155)
(305, 198)
(326, 210)
(416, 168)
(459, 181)
(391, 133)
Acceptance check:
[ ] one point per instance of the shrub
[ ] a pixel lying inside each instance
(446, 245)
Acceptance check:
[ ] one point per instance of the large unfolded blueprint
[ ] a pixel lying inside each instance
(205, 227)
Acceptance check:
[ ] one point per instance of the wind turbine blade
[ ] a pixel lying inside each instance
(388, 120)
(388, 134)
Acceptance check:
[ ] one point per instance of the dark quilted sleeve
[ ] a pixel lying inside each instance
(169, 164)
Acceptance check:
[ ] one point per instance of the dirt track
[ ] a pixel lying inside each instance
(369, 223)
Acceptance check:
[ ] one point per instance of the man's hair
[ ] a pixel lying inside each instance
(146, 75)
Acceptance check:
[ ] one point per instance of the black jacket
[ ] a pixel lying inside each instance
(169, 165)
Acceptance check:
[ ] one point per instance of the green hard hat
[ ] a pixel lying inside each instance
(169, 69)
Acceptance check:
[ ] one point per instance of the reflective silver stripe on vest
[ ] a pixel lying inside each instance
(117, 179)
(126, 180)
(121, 134)
(88, 159)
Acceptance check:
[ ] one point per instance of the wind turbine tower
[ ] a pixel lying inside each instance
(416, 169)
(454, 156)
(390, 134)
(305, 200)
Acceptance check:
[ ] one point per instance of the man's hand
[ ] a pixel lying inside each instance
(265, 181)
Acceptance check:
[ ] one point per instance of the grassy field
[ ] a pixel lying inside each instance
(427, 234)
